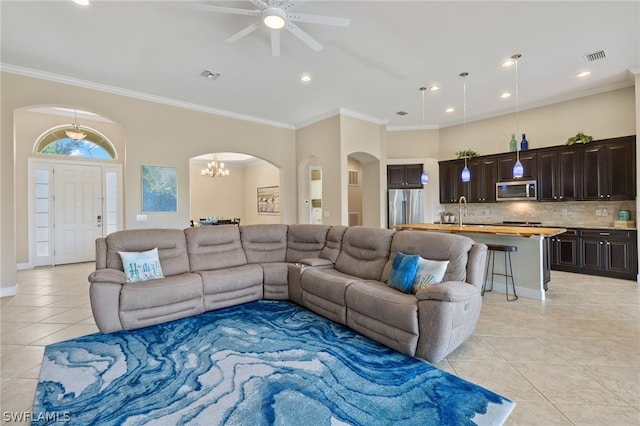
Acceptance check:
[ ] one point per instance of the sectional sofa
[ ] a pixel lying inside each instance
(336, 271)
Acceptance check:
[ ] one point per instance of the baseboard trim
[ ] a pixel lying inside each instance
(8, 291)
(23, 266)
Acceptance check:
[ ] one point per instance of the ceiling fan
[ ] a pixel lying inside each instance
(276, 15)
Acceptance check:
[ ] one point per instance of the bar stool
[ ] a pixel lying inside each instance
(508, 273)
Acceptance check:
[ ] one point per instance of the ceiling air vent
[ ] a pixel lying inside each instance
(210, 75)
(595, 56)
(402, 113)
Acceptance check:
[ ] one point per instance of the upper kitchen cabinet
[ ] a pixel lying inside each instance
(404, 176)
(482, 186)
(609, 171)
(507, 161)
(451, 185)
(559, 174)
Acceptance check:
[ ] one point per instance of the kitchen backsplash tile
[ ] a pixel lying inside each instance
(565, 214)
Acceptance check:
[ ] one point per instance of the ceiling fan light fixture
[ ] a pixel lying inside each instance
(274, 18)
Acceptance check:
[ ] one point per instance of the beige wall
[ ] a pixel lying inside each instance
(259, 176)
(319, 145)
(604, 115)
(367, 143)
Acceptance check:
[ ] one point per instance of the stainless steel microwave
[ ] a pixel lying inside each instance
(519, 190)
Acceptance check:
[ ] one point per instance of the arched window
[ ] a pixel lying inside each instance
(56, 142)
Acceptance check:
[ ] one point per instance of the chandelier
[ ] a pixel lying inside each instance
(75, 133)
(215, 169)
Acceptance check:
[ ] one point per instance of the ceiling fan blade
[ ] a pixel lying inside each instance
(291, 5)
(259, 3)
(306, 38)
(237, 36)
(275, 43)
(319, 19)
(231, 10)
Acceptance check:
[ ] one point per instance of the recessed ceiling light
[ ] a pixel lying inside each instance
(505, 95)
(305, 78)
(449, 110)
(81, 2)
(583, 74)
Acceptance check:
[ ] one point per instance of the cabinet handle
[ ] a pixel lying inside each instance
(605, 233)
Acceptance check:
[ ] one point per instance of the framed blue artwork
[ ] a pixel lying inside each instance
(159, 189)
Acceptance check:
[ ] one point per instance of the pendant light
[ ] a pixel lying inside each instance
(518, 169)
(75, 133)
(424, 177)
(466, 174)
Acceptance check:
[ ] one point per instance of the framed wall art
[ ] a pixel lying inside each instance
(269, 200)
(159, 189)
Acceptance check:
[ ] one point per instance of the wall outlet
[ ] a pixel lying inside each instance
(326, 214)
(141, 217)
(605, 212)
(598, 212)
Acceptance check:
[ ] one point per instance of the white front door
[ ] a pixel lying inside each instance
(77, 212)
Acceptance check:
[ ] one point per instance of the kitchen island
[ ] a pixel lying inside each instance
(529, 262)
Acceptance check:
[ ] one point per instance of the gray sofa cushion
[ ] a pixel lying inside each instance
(333, 245)
(231, 286)
(365, 251)
(264, 243)
(305, 241)
(434, 246)
(171, 244)
(214, 247)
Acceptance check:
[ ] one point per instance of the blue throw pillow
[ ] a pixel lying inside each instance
(403, 271)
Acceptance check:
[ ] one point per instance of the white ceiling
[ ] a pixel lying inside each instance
(374, 68)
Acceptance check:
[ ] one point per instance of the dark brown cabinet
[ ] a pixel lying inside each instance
(482, 186)
(599, 170)
(451, 185)
(609, 170)
(507, 161)
(609, 252)
(605, 252)
(401, 176)
(559, 174)
(565, 251)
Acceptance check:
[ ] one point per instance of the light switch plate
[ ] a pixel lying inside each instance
(141, 217)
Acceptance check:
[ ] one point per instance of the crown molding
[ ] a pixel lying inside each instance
(58, 78)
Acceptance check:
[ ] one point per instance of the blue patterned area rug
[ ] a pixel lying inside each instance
(262, 363)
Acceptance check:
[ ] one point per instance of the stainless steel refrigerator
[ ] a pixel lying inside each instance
(406, 206)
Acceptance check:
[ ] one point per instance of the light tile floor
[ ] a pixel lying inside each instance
(573, 359)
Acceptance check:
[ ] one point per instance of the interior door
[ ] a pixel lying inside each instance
(77, 212)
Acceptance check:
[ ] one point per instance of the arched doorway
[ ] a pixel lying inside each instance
(236, 194)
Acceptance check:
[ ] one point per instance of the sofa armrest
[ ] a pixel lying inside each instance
(451, 291)
(316, 262)
(108, 275)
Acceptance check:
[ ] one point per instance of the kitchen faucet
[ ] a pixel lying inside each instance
(462, 198)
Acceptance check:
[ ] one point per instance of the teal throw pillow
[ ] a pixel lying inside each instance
(141, 266)
(429, 272)
(403, 271)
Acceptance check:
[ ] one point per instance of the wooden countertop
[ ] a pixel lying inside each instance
(518, 231)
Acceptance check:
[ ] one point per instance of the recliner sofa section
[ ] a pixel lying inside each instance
(338, 272)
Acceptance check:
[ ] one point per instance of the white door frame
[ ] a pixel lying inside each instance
(41, 235)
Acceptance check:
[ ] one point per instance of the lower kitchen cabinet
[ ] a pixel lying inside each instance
(564, 250)
(605, 252)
